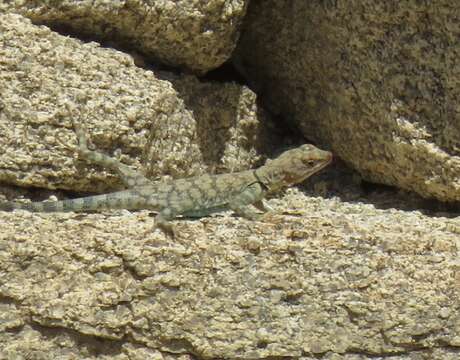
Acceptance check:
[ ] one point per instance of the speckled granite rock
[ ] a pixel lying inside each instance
(319, 278)
(195, 35)
(345, 277)
(129, 111)
(378, 82)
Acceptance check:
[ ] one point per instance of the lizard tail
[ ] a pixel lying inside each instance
(116, 200)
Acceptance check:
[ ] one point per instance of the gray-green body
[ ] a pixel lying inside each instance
(195, 196)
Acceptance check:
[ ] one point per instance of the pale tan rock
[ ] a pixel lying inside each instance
(320, 277)
(44, 343)
(324, 278)
(232, 128)
(47, 79)
(196, 35)
(377, 82)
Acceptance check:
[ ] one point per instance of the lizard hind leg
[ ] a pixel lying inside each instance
(129, 177)
(162, 222)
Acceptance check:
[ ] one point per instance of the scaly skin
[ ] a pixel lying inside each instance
(193, 197)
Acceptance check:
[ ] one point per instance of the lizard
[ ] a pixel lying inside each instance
(196, 196)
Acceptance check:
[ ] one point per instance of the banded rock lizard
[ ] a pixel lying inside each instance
(190, 197)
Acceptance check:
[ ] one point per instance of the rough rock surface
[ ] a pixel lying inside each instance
(197, 35)
(127, 110)
(378, 82)
(341, 276)
(321, 277)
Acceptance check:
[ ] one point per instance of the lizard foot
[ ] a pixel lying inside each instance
(166, 227)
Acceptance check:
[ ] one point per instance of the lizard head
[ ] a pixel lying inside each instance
(293, 166)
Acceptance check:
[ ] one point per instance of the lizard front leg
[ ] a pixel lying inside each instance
(251, 195)
(262, 206)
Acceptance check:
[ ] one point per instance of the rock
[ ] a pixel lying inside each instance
(198, 36)
(377, 82)
(355, 276)
(318, 278)
(128, 111)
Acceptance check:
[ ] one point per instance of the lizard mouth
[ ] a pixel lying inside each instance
(327, 162)
(315, 169)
